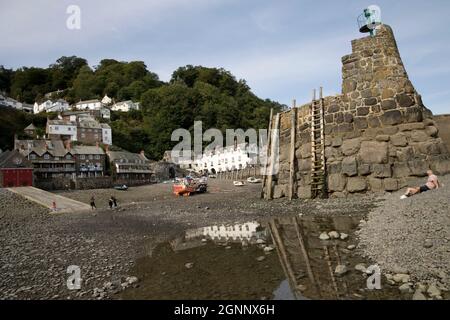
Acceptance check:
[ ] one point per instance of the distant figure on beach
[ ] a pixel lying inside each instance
(54, 205)
(431, 184)
(114, 200)
(110, 202)
(93, 203)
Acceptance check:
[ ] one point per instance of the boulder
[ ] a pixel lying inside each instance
(418, 168)
(388, 104)
(382, 137)
(432, 131)
(391, 118)
(360, 123)
(401, 170)
(333, 234)
(419, 136)
(404, 101)
(406, 288)
(324, 236)
(376, 185)
(336, 142)
(363, 169)
(373, 152)
(340, 270)
(349, 166)
(336, 182)
(391, 184)
(399, 140)
(356, 184)
(413, 114)
(351, 146)
(382, 170)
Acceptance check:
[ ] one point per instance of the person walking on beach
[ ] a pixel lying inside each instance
(93, 203)
(110, 202)
(114, 201)
(431, 184)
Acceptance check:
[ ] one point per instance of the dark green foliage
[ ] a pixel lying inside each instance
(194, 93)
(13, 122)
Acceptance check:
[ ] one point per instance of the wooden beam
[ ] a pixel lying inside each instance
(269, 130)
(292, 153)
(273, 151)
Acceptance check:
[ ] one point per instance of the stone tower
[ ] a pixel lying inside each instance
(378, 133)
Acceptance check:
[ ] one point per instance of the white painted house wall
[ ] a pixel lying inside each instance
(107, 136)
(63, 129)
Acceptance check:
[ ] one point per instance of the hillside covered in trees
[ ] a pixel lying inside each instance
(193, 93)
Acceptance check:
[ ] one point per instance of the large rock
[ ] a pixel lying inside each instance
(336, 182)
(401, 170)
(404, 101)
(391, 184)
(349, 166)
(382, 170)
(418, 168)
(419, 136)
(374, 152)
(399, 140)
(356, 184)
(441, 166)
(375, 185)
(391, 118)
(351, 146)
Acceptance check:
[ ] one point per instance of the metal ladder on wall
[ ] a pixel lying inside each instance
(318, 172)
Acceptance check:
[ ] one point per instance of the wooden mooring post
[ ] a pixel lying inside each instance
(291, 191)
(269, 136)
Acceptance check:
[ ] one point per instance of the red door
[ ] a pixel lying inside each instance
(17, 177)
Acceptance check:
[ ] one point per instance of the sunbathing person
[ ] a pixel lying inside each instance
(432, 183)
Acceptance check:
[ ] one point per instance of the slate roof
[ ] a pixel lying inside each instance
(54, 147)
(127, 156)
(7, 160)
(87, 150)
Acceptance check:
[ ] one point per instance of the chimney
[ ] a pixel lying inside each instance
(143, 154)
(96, 144)
(69, 145)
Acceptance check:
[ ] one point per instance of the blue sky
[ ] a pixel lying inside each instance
(282, 48)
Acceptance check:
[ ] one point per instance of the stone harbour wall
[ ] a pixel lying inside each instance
(378, 133)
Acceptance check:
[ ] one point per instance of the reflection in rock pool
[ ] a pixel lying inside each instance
(281, 259)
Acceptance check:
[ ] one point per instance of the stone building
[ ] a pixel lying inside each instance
(377, 133)
(89, 161)
(61, 129)
(90, 131)
(130, 168)
(50, 158)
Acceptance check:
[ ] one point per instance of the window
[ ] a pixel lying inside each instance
(83, 135)
(91, 157)
(97, 157)
(56, 159)
(68, 157)
(82, 156)
(46, 156)
(69, 129)
(56, 128)
(32, 156)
